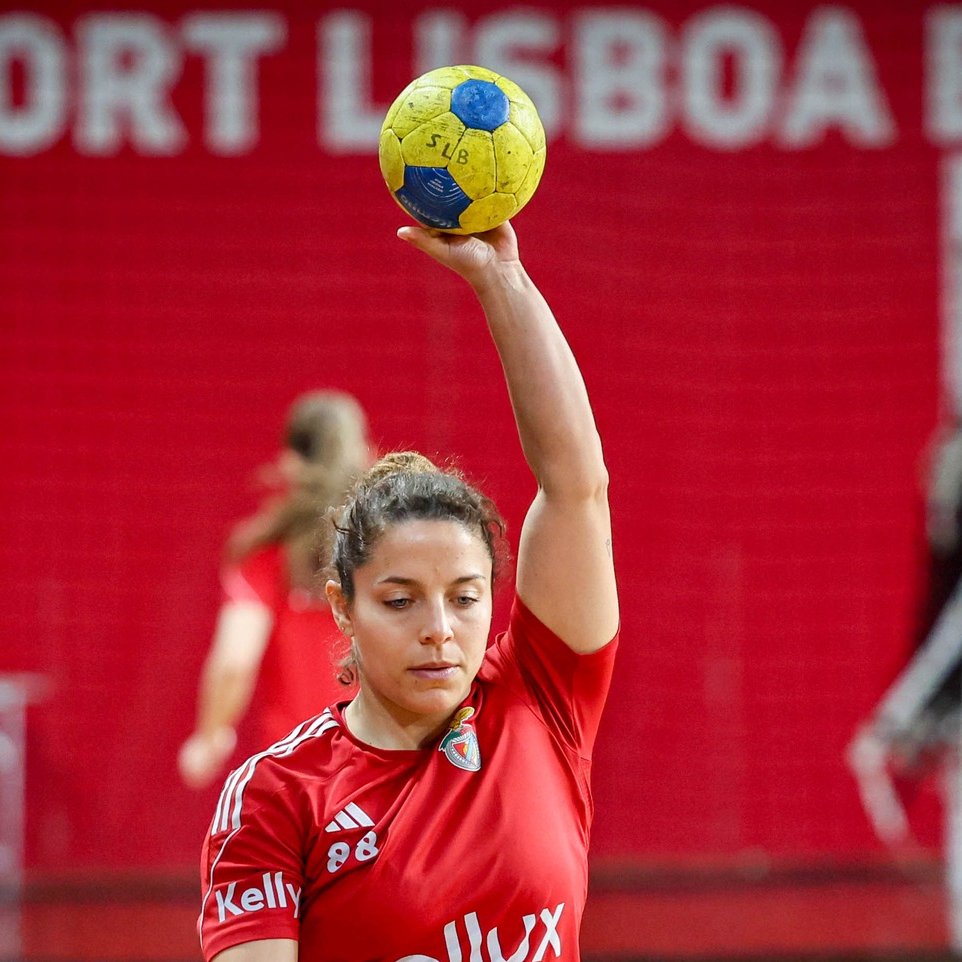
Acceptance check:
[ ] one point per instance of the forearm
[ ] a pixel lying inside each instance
(224, 697)
(551, 407)
(230, 672)
(222, 702)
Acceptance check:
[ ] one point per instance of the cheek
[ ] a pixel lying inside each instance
(369, 618)
(378, 636)
(478, 629)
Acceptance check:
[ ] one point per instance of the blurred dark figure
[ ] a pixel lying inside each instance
(915, 726)
(275, 628)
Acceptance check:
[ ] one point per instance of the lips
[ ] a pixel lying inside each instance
(434, 670)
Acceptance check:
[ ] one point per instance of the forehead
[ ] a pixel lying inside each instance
(422, 546)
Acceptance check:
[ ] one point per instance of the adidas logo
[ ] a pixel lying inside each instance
(350, 817)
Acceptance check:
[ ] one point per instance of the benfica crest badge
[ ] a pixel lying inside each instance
(460, 744)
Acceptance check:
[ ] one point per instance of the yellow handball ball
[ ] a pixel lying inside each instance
(462, 149)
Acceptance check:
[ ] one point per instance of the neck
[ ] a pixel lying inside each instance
(389, 727)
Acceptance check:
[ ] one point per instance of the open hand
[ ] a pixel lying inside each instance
(473, 256)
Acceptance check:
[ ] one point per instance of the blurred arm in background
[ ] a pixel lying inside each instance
(226, 686)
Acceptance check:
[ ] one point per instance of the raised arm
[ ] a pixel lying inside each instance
(565, 571)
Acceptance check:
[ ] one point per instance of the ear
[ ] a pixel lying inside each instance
(340, 607)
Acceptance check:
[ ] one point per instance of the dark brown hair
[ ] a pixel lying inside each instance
(406, 486)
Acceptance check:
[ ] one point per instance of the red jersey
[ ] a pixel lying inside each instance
(472, 850)
(297, 677)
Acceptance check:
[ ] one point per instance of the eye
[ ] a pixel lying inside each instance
(399, 604)
(465, 601)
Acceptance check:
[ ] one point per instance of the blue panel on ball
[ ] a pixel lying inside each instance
(479, 104)
(431, 195)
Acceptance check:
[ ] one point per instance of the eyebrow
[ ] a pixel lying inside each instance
(398, 580)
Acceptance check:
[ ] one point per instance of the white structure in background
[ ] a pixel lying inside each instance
(16, 692)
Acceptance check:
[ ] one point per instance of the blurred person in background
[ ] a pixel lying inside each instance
(914, 729)
(275, 627)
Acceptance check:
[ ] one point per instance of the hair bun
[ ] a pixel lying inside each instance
(398, 462)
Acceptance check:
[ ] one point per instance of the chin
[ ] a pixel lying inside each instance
(436, 701)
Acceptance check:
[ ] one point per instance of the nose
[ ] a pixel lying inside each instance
(436, 628)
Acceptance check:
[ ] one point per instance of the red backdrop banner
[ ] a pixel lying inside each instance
(744, 227)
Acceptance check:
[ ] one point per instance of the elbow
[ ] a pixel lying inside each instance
(572, 471)
(578, 486)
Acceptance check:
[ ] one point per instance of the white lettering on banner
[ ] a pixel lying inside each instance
(347, 121)
(477, 940)
(438, 40)
(127, 67)
(619, 79)
(273, 892)
(505, 42)
(232, 43)
(38, 122)
(752, 44)
(836, 86)
(129, 62)
(515, 44)
(621, 83)
(632, 79)
(943, 91)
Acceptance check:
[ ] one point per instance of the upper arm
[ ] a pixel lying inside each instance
(252, 869)
(262, 950)
(565, 571)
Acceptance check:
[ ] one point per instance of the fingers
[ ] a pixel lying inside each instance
(462, 254)
(472, 256)
(425, 238)
(463, 250)
(431, 242)
(410, 234)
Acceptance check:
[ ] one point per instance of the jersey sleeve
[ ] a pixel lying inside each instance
(251, 865)
(258, 577)
(567, 689)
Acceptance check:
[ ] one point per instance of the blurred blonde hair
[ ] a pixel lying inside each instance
(328, 432)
